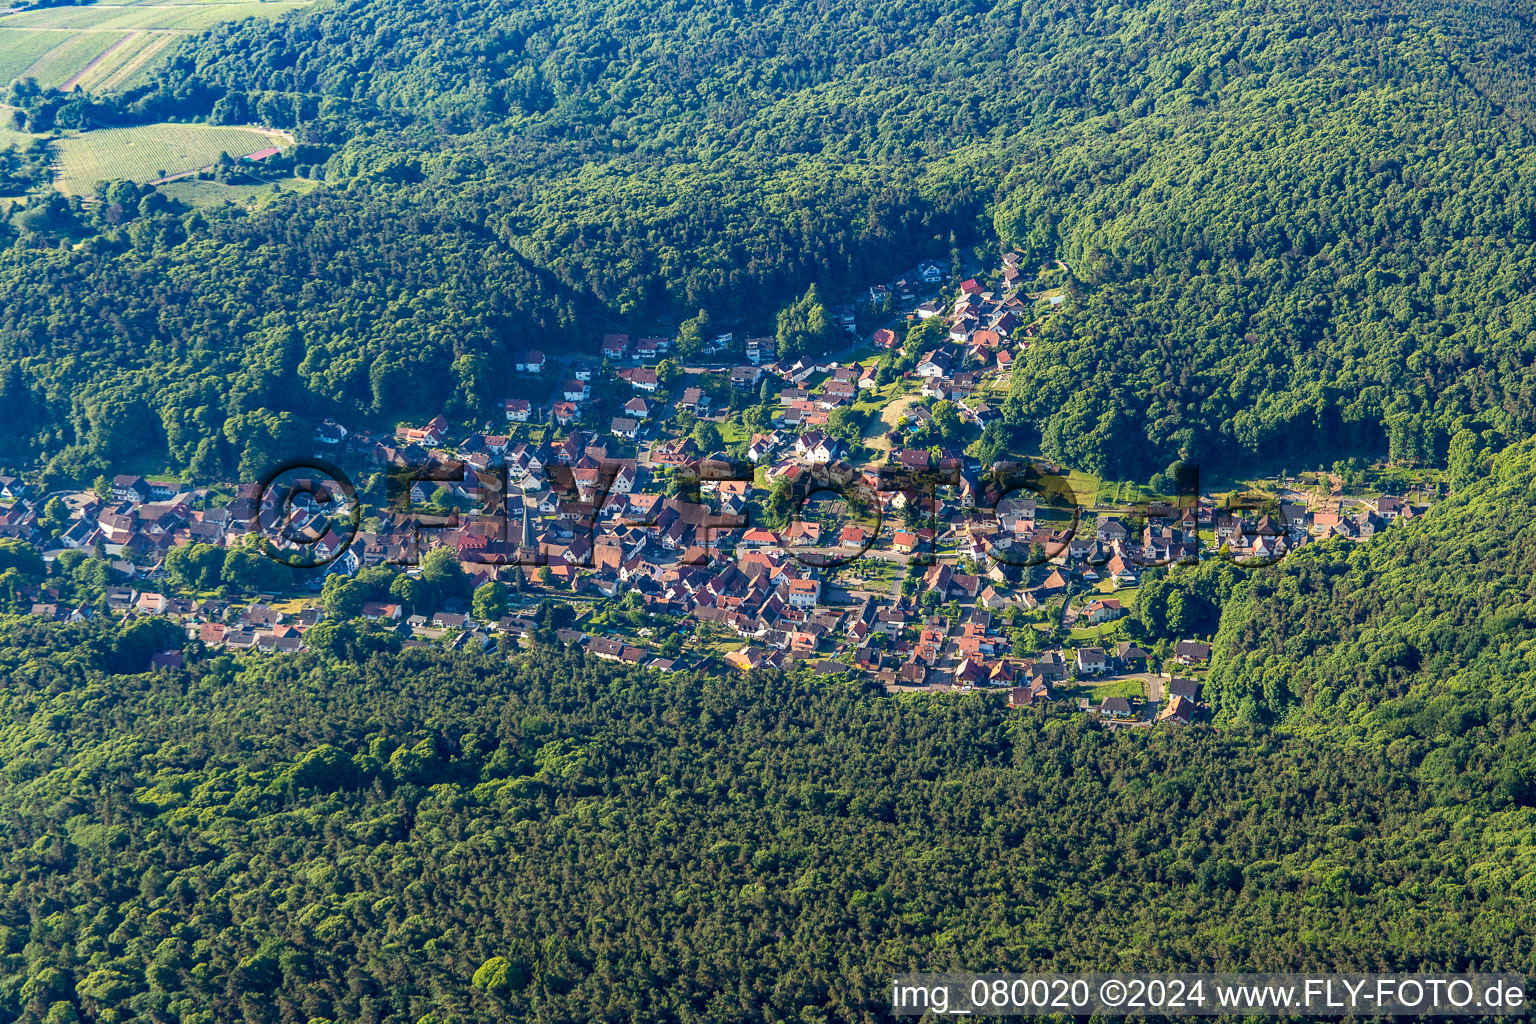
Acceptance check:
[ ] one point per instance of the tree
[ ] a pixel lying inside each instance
(342, 597)
(805, 328)
(1468, 458)
(846, 423)
(137, 641)
(777, 507)
(443, 576)
(690, 337)
(924, 335)
(490, 601)
(20, 556)
(264, 439)
(707, 436)
(946, 420)
(247, 569)
(409, 591)
(668, 373)
(195, 566)
(55, 516)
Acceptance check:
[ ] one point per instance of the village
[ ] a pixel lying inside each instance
(733, 508)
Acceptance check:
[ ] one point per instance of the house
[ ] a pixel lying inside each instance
(151, 604)
(650, 348)
(518, 410)
(1103, 610)
(1055, 583)
(747, 659)
(623, 426)
(1179, 711)
(330, 432)
(930, 309)
(855, 537)
(935, 365)
(564, 413)
(130, 488)
(12, 487)
(529, 362)
(803, 534)
(840, 391)
(1116, 707)
(637, 409)
(760, 350)
(607, 648)
(905, 542)
(1111, 531)
(1189, 689)
(762, 446)
(803, 593)
(1130, 657)
(1188, 652)
(1091, 661)
(694, 400)
(615, 346)
(640, 378)
(817, 448)
(746, 376)
(885, 338)
(431, 434)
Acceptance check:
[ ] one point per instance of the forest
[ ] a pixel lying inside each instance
(1293, 231)
(368, 834)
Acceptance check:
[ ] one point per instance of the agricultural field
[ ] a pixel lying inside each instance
(151, 152)
(101, 47)
(19, 50)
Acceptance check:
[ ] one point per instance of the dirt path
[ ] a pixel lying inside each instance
(90, 65)
(143, 57)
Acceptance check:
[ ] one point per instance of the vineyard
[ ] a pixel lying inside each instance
(103, 47)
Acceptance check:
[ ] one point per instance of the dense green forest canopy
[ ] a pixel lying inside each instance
(1292, 227)
(409, 836)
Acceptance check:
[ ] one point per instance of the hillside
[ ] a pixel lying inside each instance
(1295, 232)
(278, 839)
(1422, 636)
(411, 836)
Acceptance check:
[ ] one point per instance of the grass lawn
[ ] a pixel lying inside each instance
(1116, 688)
(891, 410)
(195, 192)
(1093, 635)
